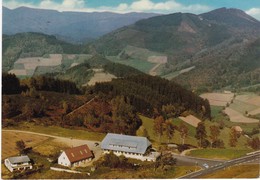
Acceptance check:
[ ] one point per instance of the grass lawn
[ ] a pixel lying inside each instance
(192, 130)
(59, 131)
(224, 154)
(241, 171)
(148, 124)
(50, 147)
(143, 173)
(5, 173)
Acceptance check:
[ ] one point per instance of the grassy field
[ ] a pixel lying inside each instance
(100, 77)
(140, 53)
(217, 116)
(141, 65)
(59, 131)
(144, 173)
(192, 130)
(224, 154)
(224, 135)
(241, 171)
(148, 124)
(218, 99)
(9, 140)
(49, 147)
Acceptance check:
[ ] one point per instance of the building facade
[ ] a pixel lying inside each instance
(18, 163)
(129, 146)
(76, 156)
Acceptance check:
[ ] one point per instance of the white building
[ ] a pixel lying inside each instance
(130, 146)
(18, 163)
(76, 156)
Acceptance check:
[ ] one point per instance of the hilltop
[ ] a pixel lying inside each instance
(191, 41)
(77, 27)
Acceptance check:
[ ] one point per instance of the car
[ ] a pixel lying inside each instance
(205, 165)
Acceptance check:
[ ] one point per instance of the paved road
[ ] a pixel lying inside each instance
(253, 158)
(192, 161)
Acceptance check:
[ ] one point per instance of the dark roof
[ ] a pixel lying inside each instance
(78, 153)
(19, 159)
(126, 143)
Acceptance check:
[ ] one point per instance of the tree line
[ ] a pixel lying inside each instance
(12, 85)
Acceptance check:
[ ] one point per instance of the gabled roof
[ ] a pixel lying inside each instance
(126, 143)
(19, 159)
(78, 153)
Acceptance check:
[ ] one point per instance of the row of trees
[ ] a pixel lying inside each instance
(12, 85)
(165, 127)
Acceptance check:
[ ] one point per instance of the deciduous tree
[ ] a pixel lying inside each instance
(233, 137)
(20, 146)
(201, 133)
(183, 132)
(169, 130)
(158, 127)
(254, 143)
(214, 133)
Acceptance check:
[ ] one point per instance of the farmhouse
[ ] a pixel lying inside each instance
(75, 156)
(18, 163)
(129, 146)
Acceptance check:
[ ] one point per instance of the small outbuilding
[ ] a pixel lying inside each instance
(238, 129)
(76, 156)
(18, 163)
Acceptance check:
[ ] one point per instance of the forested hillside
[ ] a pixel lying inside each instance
(33, 45)
(235, 65)
(149, 94)
(220, 47)
(106, 107)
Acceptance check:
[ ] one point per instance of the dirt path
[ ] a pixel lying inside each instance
(69, 141)
(80, 106)
(152, 71)
(183, 153)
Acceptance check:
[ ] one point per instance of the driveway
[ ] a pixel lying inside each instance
(70, 142)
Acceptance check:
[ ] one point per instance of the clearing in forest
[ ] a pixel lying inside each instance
(100, 76)
(190, 119)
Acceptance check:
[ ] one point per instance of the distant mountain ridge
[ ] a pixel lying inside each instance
(181, 32)
(69, 26)
(204, 42)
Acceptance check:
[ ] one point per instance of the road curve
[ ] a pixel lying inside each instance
(245, 159)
